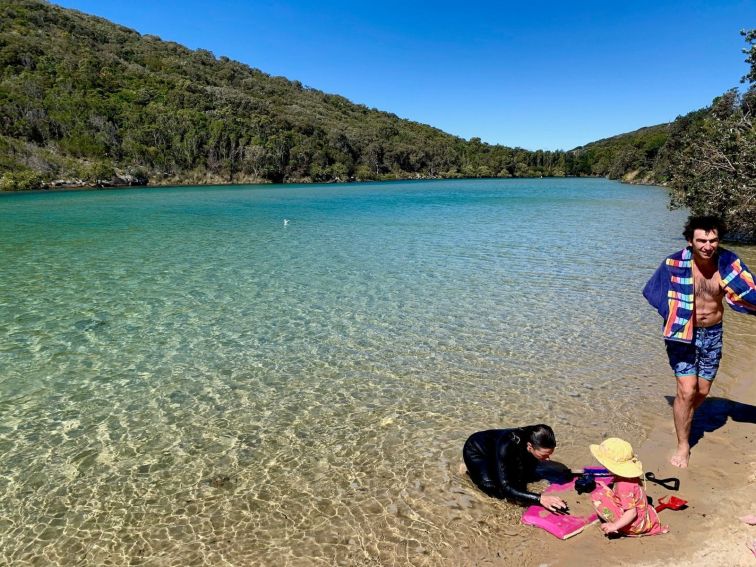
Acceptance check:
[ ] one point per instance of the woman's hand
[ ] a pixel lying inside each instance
(552, 503)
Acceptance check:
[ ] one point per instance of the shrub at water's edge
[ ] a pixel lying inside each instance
(709, 161)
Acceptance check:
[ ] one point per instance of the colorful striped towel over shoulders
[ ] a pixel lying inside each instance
(738, 282)
(680, 300)
(671, 291)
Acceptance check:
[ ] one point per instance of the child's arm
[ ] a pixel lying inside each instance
(625, 520)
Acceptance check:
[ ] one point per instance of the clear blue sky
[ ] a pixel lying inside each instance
(549, 75)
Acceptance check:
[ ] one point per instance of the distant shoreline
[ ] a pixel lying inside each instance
(300, 182)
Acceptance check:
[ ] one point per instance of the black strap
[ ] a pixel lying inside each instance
(670, 483)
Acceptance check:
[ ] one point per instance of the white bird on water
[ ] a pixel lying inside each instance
(286, 222)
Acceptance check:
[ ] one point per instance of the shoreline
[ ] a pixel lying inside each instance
(719, 485)
(265, 183)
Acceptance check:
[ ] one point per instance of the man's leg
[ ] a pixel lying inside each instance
(691, 392)
(703, 391)
(682, 359)
(682, 412)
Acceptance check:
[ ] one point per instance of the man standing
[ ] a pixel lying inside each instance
(687, 290)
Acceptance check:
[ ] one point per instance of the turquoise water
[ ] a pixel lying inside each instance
(185, 379)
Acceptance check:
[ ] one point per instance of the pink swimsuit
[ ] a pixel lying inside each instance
(627, 494)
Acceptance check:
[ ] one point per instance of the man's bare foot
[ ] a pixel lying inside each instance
(680, 458)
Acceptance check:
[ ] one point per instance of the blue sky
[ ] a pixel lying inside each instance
(548, 75)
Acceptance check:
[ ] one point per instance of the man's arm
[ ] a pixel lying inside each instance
(740, 288)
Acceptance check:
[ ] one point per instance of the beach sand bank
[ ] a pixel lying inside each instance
(720, 486)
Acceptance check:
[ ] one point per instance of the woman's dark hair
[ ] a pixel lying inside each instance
(706, 223)
(542, 436)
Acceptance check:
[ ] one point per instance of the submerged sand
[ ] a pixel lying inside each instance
(719, 485)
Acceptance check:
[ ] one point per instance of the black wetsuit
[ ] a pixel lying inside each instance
(500, 465)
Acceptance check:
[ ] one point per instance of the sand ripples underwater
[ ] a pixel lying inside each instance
(187, 381)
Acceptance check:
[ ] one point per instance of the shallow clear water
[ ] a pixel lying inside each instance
(186, 380)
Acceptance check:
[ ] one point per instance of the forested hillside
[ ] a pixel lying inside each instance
(83, 98)
(630, 157)
(84, 101)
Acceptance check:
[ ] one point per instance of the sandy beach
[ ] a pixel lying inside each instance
(720, 485)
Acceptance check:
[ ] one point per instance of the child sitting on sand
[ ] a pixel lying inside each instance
(625, 508)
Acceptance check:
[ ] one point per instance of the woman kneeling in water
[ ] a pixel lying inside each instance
(502, 461)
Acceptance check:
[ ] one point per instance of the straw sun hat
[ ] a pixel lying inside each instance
(617, 456)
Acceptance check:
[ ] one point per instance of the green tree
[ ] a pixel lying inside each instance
(714, 170)
(710, 158)
(750, 51)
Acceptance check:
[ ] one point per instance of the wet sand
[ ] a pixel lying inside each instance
(719, 485)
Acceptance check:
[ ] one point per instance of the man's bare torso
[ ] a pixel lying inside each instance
(709, 294)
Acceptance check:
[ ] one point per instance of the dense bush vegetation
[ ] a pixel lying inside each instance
(630, 157)
(85, 101)
(709, 160)
(83, 98)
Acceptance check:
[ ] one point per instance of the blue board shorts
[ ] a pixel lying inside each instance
(700, 357)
